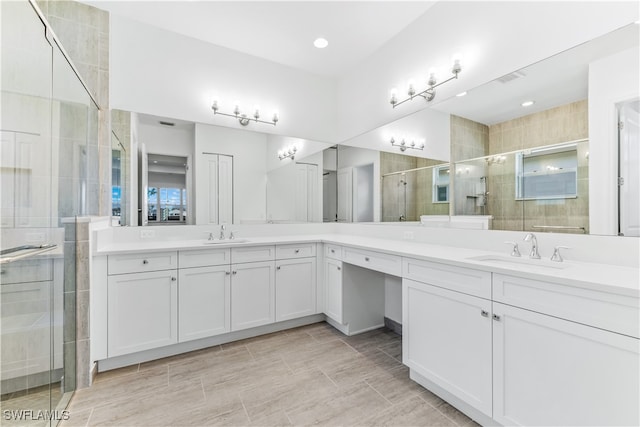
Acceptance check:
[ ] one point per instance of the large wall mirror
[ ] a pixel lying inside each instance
(482, 159)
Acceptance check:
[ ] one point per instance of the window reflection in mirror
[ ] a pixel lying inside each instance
(167, 192)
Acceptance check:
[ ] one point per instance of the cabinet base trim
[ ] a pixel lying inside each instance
(463, 407)
(393, 326)
(346, 329)
(172, 350)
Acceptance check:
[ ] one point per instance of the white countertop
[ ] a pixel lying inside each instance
(599, 277)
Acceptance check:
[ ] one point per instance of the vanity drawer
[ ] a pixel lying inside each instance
(385, 263)
(253, 254)
(204, 258)
(460, 279)
(613, 312)
(333, 251)
(26, 271)
(140, 263)
(301, 250)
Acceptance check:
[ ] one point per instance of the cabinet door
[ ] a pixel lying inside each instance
(333, 289)
(252, 295)
(204, 302)
(143, 311)
(447, 339)
(549, 371)
(295, 288)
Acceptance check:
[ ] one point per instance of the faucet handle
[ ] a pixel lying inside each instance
(515, 251)
(211, 236)
(556, 253)
(231, 236)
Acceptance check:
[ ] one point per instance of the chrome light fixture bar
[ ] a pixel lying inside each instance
(403, 145)
(243, 119)
(430, 92)
(288, 153)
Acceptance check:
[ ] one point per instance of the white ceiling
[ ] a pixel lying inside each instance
(282, 31)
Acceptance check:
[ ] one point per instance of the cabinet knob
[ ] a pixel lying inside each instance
(333, 251)
(484, 313)
(235, 272)
(297, 251)
(144, 261)
(496, 318)
(366, 258)
(339, 268)
(278, 268)
(173, 279)
(228, 273)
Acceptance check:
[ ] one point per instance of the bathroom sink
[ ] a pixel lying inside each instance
(515, 262)
(225, 242)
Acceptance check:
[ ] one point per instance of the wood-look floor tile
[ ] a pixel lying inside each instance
(114, 373)
(451, 412)
(395, 386)
(76, 418)
(410, 412)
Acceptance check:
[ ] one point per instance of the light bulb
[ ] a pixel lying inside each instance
(432, 77)
(457, 66)
(275, 118)
(256, 112)
(214, 104)
(236, 108)
(394, 99)
(411, 87)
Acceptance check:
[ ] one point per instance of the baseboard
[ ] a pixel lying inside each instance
(393, 326)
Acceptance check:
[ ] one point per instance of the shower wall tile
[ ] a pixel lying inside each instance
(82, 315)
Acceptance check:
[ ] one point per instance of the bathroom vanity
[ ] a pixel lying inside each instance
(498, 337)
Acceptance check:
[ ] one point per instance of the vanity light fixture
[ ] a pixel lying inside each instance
(243, 119)
(430, 92)
(407, 145)
(289, 152)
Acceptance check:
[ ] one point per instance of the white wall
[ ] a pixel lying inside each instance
(249, 170)
(495, 38)
(612, 80)
(162, 73)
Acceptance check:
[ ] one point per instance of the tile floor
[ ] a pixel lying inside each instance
(303, 376)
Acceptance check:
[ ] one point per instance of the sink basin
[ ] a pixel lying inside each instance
(225, 241)
(515, 262)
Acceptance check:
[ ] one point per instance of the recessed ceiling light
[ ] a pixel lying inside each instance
(462, 94)
(320, 43)
(528, 103)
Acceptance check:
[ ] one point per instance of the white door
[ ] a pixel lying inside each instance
(301, 193)
(295, 288)
(629, 189)
(447, 339)
(313, 207)
(345, 195)
(204, 302)
(252, 295)
(144, 185)
(211, 166)
(333, 289)
(549, 371)
(143, 311)
(225, 189)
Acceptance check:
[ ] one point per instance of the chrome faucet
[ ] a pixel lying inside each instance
(556, 253)
(211, 236)
(534, 245)
(222, 228)
(514, 251)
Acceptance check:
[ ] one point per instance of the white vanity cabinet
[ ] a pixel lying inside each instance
(142, 311)
(252, 287)
(333, 282)
(296, 284)
(204, 293)
(447, 334)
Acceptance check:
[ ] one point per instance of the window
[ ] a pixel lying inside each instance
(441, 184)
(167, 204)
(547, 173)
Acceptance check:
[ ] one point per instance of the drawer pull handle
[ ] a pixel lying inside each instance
(144, 261)
(339, 268)
(173, 279)
(484, 313)
(235, 272)
(297, 251)
(228, 273)
(366, 258)
(496, 318)
(333, 251)
(278, 268)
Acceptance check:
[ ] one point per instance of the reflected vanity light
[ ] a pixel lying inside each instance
(430, 92)
(288, 152)
(528, 103)
(404, 145)
(496, 160)
(243, 119)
